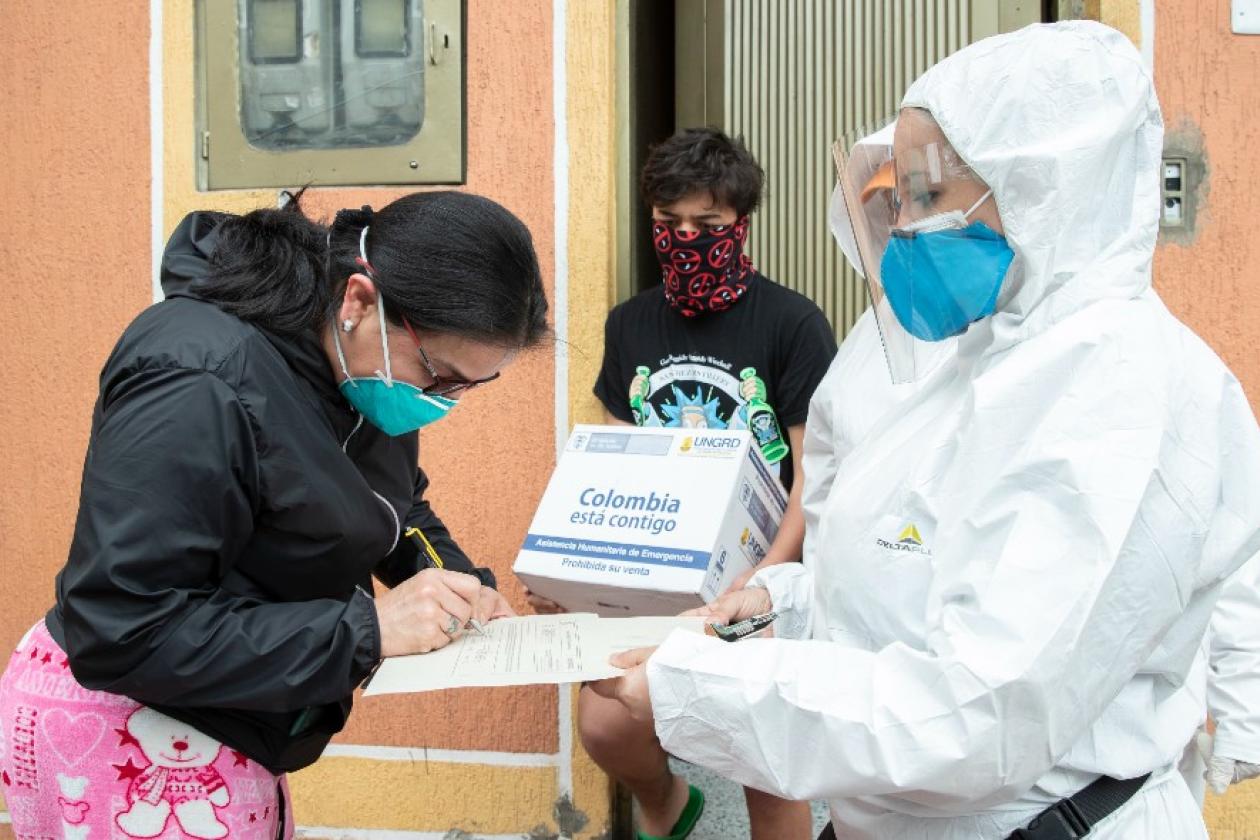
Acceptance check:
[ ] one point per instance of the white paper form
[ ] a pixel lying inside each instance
(527, 650)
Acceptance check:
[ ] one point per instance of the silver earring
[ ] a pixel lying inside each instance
(347, 325)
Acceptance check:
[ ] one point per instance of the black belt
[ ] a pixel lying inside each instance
(1071, 818)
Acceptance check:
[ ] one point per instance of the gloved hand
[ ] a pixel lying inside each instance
(1222, 772)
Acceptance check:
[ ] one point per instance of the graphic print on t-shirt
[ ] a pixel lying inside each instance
(663, 370)
(695, 392)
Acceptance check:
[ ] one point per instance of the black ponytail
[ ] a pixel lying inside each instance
(448, 262)
(268, 267)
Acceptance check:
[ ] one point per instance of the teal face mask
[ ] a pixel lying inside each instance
(395, 408)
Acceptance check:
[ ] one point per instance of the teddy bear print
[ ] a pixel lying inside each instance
(179, 780)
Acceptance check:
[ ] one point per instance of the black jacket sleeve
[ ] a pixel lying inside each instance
(405, 560)
(169, 495)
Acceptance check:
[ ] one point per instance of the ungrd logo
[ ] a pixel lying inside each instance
(710, 445)
(717, 442)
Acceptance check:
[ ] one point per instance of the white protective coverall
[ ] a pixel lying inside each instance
(848, 405)
(1008, 579)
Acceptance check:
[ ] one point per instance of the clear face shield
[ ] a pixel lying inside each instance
(922, 229)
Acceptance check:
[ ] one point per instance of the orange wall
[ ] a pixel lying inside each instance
(75, 227)
(1206, 78)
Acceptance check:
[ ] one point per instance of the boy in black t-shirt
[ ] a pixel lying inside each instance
(694, 352)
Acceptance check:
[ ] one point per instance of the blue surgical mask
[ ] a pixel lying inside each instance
(394, 407)
(942, 274)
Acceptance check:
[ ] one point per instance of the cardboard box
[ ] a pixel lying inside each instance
(639, 521)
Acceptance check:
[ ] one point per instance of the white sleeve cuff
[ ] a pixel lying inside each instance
(1240, 748)
(791, 588)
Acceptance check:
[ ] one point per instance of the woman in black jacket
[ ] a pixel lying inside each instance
(252, 464)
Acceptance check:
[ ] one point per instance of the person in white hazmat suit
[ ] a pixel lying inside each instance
(1011, 575)
(857, 391)
(847, 406)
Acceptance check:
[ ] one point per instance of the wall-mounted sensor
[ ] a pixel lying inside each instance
(1173, 193)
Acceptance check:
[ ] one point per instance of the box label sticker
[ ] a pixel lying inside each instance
(600, 550)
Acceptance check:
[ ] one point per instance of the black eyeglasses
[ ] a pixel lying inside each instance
(443, 386)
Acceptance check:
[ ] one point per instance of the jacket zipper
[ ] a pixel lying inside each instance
(356, 428)
(397, 521)
(380, 498)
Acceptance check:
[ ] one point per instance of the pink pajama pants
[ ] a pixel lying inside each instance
(86, 765)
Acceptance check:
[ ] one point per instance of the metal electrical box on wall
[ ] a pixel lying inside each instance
(1244, 17)
(1173, 192)
(1183, 186)
(330, 92)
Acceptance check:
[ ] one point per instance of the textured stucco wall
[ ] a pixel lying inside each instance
(77, 219)
(74, 232)
(1206, 77)
(78, 275)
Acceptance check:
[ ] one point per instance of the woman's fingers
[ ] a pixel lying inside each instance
(631, 658)
(453, 610)
(706, 612)
(498, 607)
(734, 606)
(427, 611)
(490, 605)
(715, 613)
(745, 604)
(465, 586)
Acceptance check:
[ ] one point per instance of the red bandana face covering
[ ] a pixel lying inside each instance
(703, 272)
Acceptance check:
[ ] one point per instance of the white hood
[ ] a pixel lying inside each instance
(1075, 177)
